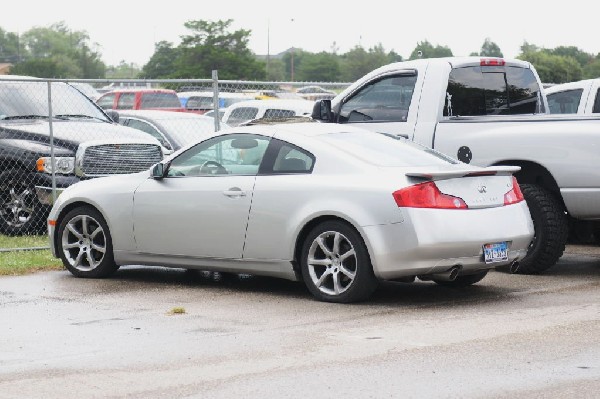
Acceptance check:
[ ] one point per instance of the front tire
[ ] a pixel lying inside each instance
(551, 230)
(335, 264)
(20, 211)
(85, 244)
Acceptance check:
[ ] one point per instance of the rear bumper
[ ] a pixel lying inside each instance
(433, 241)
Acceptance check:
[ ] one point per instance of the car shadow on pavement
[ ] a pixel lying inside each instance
(418, 293)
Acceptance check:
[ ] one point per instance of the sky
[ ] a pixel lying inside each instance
(127, 30)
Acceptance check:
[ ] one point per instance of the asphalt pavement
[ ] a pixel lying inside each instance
(166, 333)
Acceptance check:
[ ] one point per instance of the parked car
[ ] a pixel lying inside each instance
(86, 142)
(172, 129)
(203, 101)
(335, 206)
(245, 111)
(314, 93)
(142, 98)
(581, 97)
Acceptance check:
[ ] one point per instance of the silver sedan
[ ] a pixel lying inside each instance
(338, 207)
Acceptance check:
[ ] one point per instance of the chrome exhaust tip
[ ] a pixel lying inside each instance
(514, 267)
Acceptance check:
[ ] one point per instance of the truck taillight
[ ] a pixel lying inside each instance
(492, 62)
(427, 195)
(514, 195)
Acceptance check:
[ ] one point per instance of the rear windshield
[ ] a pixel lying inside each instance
(492, 90)
(160, 100)
(382, 150)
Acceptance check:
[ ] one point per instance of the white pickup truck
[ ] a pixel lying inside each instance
(581, 97)
(487, 111)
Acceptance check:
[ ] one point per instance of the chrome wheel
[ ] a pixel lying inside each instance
(84, 243)
(332, 263)
(17, 208)
(20, 210)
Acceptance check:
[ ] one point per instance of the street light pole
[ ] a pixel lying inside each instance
(292, 59)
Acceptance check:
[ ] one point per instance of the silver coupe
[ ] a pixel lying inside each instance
(338, 207)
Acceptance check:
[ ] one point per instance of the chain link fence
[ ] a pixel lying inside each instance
(54, 133)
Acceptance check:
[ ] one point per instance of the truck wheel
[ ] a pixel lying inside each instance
(551, 230)
(20, 211)
(335, 264)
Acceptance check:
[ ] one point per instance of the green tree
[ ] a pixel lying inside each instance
(592, 69)
(162, 63)
(553, 68)
(124, 70)
(10, 50)
(580, 56)
(358, 61)
(425, 49)
(276, 70)
(67, 53)
(490, 49)
(320, 67)
(211, 46)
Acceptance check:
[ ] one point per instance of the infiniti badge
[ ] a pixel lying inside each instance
(482, 189)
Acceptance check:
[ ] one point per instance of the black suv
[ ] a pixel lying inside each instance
(68, 138)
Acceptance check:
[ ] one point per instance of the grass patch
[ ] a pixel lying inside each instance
(24, 262)
(24, 241)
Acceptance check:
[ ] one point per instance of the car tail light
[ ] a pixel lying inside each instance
(492, 62)
(514, 195)
(427, 195)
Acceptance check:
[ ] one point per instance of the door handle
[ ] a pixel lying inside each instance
(234, 192)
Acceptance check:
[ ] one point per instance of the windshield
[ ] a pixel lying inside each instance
(27, 99)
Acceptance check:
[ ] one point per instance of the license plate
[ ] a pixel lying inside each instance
(496, 252)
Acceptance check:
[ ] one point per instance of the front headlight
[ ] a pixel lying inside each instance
(62, 165)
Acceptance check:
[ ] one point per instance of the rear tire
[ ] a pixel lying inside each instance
(85, 244)
(335, 264)
(551, 228)
(463, 281)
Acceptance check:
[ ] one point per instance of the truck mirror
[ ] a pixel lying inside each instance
(322, 111)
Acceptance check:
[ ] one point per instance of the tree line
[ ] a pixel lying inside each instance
(59, 52)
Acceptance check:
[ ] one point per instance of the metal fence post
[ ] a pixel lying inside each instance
(215, 78)
(52, 160)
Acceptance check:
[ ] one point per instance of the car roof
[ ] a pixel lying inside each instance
(142, 89)
(160, 114)
(307, 129)
(276, 102)
(210, 93)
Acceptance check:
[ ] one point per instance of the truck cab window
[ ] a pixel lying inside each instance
(494, 90)
(384, 100)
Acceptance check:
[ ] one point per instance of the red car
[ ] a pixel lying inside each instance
(146, 98)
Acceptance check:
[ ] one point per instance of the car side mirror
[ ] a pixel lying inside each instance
(113, 115)
(159, 171)
(322, 111)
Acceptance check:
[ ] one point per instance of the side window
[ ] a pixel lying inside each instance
(126, 101)
(106, 102)
(241, 114)
(596, 108)
(199, 103)
(234, 154)
(564, 102)
(384, 100)
(292, 159)
(151, 130)
(278, 113)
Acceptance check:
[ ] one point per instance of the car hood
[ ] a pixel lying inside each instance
(70, 131)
